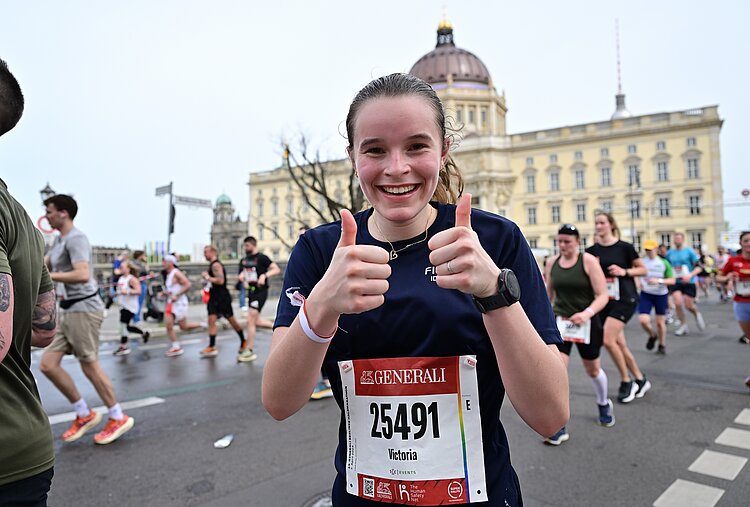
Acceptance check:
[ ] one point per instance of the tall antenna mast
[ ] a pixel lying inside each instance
(617, 43)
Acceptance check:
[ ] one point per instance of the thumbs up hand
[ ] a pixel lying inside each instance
(461, 261)
(356, 279)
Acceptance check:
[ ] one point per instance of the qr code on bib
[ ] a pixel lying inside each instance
(368, 487)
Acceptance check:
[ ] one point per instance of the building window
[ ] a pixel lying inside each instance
(691, 141)
(529, 161)
(579, 155)
(580, 183)
(635, 208)
(692, 168)
(274, 207)
(260, 233)
(289, 231)
(606, 206)
(275, 230)
(581, 212)
(666, 239)
(289, 205)
(555, 214)
(694, 201)
(530, 183)
(475, 200)
(661, 146)
(531, 215)
(553, 158)
(471, 115)
(632, 149)
(663, 206)
(584, 243)
(634, 176)
(555, 249)
(260, 208)
(604, 152)
(696, 239)
(662, 171)
(637, 242)
(533, 243)
(483, 116)
(554, 181)
(606, 176)
(459, 115)
(275, 253)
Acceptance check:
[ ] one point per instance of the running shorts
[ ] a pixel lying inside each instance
(650, 302)
(620, 310)
(687, 289)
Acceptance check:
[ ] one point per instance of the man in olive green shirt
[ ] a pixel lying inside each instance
(27, 317)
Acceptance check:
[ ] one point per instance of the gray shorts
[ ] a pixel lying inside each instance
(79, 335)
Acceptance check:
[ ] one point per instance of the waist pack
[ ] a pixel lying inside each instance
(67, 303)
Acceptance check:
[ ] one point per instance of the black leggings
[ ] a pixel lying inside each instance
(29, 492)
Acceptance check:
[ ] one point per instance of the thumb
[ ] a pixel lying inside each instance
(463, 211)
(348, 229)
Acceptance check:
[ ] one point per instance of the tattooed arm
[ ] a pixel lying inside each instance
(44, 320)
(6, 313)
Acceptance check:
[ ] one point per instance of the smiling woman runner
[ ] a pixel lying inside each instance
(412, 307)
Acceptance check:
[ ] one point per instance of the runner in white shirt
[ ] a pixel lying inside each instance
(655, 295)
(128, 291)
(177, 286)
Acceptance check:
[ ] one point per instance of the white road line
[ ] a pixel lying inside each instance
(744, 417)
(718, 464)
(127, 405)
(689, 494)
(734, 438)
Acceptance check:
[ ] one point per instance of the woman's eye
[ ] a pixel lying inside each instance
(418, 146)
(374, 151)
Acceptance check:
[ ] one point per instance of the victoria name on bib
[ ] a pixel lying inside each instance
(413, 428)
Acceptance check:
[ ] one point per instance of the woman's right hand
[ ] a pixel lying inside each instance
(355, 281)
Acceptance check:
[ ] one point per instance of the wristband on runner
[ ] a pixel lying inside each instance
(308, 330)
(588, 309)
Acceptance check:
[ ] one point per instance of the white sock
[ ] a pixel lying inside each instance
(82, 410)
(600, 387)
(176, 344)
(115, 412)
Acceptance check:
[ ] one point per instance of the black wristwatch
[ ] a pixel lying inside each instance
(508, 292)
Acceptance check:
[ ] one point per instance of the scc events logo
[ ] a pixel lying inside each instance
(455, 490)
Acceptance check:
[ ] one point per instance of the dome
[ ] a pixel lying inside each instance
(223, 199)
(448, 60)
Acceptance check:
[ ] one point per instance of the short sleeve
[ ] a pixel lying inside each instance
(78, 248)
(632, 254)
(668, 272)
(46, 283)
(4, 262)
(727, 267)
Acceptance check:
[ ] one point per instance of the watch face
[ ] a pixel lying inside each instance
(511, 283)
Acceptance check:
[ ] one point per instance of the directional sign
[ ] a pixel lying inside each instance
(193, 201)
(166, 189)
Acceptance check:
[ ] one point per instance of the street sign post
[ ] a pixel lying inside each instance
(193, 201)
(166, 189)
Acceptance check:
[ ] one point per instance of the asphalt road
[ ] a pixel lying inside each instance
(168, 459)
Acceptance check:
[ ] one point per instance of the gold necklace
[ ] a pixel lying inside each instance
(394, 253)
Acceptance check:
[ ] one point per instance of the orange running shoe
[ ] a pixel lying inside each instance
(114, 429)
(209, 352)
(81, 425)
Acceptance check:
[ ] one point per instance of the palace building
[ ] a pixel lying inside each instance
(657, 173)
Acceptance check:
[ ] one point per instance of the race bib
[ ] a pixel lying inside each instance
(573, 332)
(742, 287)
(413, 430)
(251, 275)
(681, 270)
(613, 288)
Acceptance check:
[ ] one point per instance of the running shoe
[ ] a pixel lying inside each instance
(246, 355)
(627, 391)
(744, 339)
(210, 352)
(81, 425)
(699, 321)
(146, 336)
(650, 343)
(661, 350)
(558, 438)
(321, 390)
(114, 430)
(670, 317)
(682, 330)
(643, 386)
(174, 350)
(122, 350)
(606, 414)
(243, 346)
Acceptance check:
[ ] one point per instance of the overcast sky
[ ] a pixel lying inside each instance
(124, 97)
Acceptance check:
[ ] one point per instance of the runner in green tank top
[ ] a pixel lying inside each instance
(578, 291)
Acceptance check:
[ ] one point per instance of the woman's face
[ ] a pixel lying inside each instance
(602, 227)
(568, 244)
(397, 152)
(745, 244)
(125, 268)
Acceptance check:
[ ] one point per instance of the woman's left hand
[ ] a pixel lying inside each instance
(460, 260)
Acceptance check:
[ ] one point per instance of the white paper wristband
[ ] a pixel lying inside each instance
(305, 324)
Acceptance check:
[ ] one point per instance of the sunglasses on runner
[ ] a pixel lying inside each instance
(570, 230)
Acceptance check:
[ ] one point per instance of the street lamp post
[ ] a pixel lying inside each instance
(46, 192)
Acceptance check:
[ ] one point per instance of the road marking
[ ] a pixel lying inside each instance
(689, 494)
(744, 417)
(734, 438)
(718, 464)
(126, 405)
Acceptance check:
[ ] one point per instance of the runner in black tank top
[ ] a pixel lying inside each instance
(578, 291)
(219, 301)
(620, 263)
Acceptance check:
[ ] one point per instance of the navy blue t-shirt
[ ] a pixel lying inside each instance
(419, 318)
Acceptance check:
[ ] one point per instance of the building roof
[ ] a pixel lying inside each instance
(447, 60)
(223, 199)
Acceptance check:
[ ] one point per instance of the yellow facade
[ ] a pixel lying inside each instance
(664, 169)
